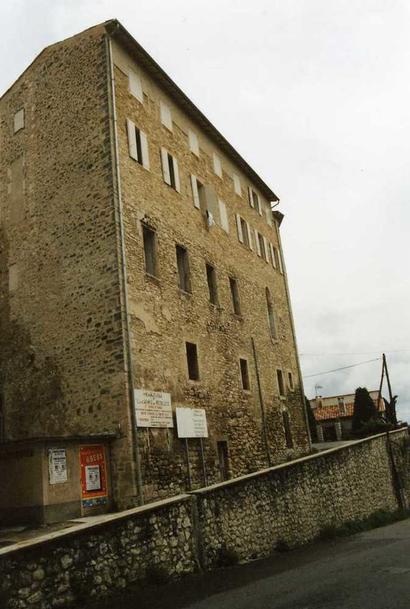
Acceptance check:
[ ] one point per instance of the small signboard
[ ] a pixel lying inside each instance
(191, 423)
(57, 465)
(153, 408)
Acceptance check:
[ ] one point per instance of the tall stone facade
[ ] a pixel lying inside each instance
(99, 148)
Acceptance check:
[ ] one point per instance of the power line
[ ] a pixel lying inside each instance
(354, 353)
(344, 367)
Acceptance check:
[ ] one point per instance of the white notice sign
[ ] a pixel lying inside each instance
(57, 465)
(153, 408)
(191, 423)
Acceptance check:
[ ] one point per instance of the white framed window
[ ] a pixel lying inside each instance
(165, 114)
(223, 214)
(18, 120)
(237, 184)
(135, 85)
(193, 142)
(170, 170)
(254, 200)
(217, 165)
(137, 144)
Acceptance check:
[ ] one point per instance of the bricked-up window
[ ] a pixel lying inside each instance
(170, 169)
(287, 429)
(236, 303)
(184, 275)
(212, 284)
(271, 315)
(290, 381)
(150, 252)
(223, 459)
(192, 361)
(281, 384)
(243, 364)
(137, 144)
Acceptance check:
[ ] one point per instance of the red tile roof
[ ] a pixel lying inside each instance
(328, 408)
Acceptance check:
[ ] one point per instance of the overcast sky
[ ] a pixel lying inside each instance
(315, 94)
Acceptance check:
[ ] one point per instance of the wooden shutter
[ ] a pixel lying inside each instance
(193, 142)
(144, 150)
(176, 174)
(165, 166)
(250, 197)
(217, 165)
(165, 113)
(258, 247)
(237, 184)
(132, 140)
(195, 193)
(259, 204)
(239, 228)
(272, 254)
(250, 239)
(224, 216)
(269, 214)
(135, 85)
(265, 241)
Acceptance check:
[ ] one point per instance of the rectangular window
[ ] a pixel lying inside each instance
(237, 185)
(287, 429)
(183, 269)
(217, 165)
(135, 85)
(212, 284)
(170, 169)
(149, 239)
(223, 459)
(245, 233)
(254, 200)
(137, 144)
(233, 284)
(18, 121)
(275, 258)
(290, 381)
(192, 361)
(261, 246)
(281, 385)
(244, 374)
(165, 114)
(193, 142)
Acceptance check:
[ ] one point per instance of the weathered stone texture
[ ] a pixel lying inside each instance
(246, 518)
(163, 317)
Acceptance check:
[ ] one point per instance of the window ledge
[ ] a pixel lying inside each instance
(184, 293)
(152, 278)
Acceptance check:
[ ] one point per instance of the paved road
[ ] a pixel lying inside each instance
(366, 571)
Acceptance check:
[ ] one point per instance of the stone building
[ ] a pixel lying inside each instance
(141, 271)
(334, 414)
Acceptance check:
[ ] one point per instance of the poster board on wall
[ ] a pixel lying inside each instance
(57, 465)
(93, 465)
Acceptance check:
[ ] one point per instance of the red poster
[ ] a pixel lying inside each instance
(93, 475)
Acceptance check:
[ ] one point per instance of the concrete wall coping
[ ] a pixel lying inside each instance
(96, 522)
(288, 464)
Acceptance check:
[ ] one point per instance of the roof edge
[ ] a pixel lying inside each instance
(118, 32)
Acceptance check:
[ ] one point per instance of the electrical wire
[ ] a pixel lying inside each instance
(354, 353)
(343, 367)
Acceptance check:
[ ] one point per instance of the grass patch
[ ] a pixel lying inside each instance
(380, 518)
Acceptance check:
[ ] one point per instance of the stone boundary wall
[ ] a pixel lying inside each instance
(245, 517)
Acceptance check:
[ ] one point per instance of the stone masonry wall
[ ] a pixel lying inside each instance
(62, 367)
(290, 503)
(164, 318)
